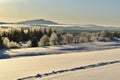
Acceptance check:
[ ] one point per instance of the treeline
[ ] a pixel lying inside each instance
(15, 37)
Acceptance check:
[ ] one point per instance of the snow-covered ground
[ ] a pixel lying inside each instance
(111, 72)
(16, 68)
(77, 55)
(83, 47)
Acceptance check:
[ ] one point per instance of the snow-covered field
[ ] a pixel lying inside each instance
(18, 68)
(83, 47)
(111, 72)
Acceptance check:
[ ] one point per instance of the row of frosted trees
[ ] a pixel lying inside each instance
(15, 37)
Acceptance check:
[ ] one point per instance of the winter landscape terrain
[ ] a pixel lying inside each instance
(60, 49)
(67, 62)
(59, 39)
(43, 52)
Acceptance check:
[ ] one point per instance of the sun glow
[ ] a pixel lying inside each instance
(4, 1)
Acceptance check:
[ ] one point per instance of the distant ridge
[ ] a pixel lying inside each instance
(93, 25)
(37, 21)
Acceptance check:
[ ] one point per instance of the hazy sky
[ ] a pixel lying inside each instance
(102, 12)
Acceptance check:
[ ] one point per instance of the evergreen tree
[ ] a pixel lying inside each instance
(1, 43)
(34, 42)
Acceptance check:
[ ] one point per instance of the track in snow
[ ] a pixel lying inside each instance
(70, 70)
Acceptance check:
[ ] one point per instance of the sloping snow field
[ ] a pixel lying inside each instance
(110, 72)
(17, 68)
(48, 50)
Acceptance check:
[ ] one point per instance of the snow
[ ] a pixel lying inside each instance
(16, 68)
(111, 72)
(48, 50)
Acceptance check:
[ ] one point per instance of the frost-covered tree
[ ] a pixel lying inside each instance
(53, 39)
(60, 39)
(44, 41)
(51, 35)
(13, 45)
(83, 39)
(67, 38)
(105, 36)
(76, 38)
(10, 44)
(14, 34)
(28, 43)
(49, 31)
(6, 42)
(86, 36)
(93, 38)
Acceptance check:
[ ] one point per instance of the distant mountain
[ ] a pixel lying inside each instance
(37, 21)
(93, 25)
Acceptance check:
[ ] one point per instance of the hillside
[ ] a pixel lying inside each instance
(37, 21)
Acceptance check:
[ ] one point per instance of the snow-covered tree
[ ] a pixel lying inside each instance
(67, 38)
(83, 39)
(6, 42)
(53, 39)
(44, 41)
(13, 45)
(49, 31)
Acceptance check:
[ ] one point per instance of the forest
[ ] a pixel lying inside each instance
(48, 36)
